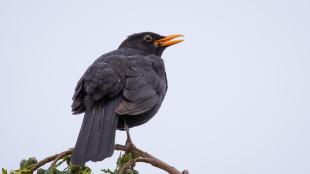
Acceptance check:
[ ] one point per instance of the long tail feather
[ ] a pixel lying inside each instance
(96, 139)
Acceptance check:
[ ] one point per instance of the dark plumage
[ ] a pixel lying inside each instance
(127, 85)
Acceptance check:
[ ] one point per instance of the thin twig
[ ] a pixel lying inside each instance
(61, 155)
(50, 158)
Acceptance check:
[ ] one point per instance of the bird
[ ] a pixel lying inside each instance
(122, 89)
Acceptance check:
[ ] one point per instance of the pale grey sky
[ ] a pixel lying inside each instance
(238, 98)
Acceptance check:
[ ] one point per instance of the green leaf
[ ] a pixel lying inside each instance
(22, 171)
(129, 171)
(4, 171)
(42, 171)
(124, 159)
(26, 164)
(22, 164)
(108, 171)
(31, 161)
(85, 170)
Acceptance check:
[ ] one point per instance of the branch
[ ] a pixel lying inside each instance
(143, 157)
(51, 158)
(156, 163)
(148, 158)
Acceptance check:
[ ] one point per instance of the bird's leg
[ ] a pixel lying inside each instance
(129, 142)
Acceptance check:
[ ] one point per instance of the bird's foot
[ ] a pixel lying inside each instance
(129, 143)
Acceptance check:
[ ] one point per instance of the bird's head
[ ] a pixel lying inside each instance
(150, 43)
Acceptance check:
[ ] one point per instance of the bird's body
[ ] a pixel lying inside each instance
(125, 86)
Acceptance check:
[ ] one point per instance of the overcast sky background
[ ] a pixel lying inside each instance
(238, 100)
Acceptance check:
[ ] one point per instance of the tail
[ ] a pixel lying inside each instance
(96, 139)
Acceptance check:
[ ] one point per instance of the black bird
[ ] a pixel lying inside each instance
(121, 89)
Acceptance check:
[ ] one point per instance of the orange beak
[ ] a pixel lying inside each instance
(168, 40)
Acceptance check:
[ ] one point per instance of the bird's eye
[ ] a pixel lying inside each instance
(148, 38)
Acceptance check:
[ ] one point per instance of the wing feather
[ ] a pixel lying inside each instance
(143, 87)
